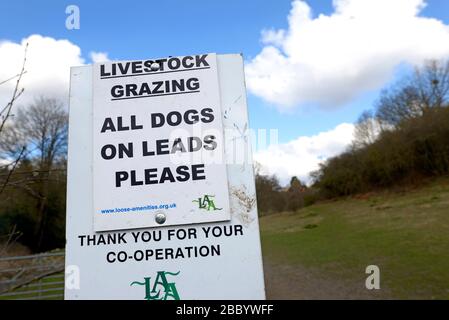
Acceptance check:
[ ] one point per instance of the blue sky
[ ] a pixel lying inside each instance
(139, 29)
(144, 29)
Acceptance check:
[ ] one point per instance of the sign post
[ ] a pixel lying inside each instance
(161, 199)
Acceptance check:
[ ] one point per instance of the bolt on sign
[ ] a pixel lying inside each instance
(161, 200)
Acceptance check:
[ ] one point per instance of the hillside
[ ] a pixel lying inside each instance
(321, 251)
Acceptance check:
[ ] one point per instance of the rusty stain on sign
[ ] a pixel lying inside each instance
(242, 205)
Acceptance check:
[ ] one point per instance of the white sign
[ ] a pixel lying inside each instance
(158, 143)
(214, 260)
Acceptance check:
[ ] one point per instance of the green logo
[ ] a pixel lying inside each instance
(206, 203)
(161, 288)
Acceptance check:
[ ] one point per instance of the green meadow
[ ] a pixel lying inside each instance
(405, 233)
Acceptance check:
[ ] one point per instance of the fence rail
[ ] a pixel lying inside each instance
(32, 277)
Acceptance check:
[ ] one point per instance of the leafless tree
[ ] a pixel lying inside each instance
(42, 129)
(6, 113)
(367, 129)
(428, 88)
(432, 84)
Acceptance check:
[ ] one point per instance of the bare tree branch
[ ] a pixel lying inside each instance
(6, 112)
(13, 77)
(12, 170)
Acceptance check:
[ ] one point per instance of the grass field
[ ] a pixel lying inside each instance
(328, 245)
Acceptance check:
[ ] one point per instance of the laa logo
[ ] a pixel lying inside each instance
(153, 292)
(206, 203)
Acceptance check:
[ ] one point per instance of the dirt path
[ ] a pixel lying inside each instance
(298, 283)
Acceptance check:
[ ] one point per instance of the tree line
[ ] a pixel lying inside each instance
(402, 140)
(272, 197)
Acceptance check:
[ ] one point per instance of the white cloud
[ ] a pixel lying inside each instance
(98, 57)
(304, 154)
(330, 59)
(48, 67)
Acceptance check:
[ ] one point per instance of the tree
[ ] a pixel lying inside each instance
(398, 104)
(269, 197)
(294, 197)
(367, 129)
(432, 84)
(426, 89)
(296, 185)
(42, 129)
